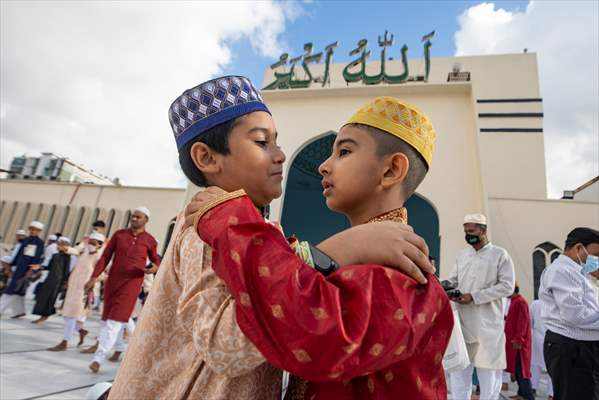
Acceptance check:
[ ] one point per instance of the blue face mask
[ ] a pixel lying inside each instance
(591, 264)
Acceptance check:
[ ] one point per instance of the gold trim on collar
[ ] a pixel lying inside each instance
(398, 215)
(216, 202)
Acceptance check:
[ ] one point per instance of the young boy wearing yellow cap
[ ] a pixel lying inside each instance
(188, 343)
(365, 332)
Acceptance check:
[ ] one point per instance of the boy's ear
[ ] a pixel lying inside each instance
(205, 159)
(397, 166)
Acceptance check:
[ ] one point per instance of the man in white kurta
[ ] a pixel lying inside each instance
(484, 274)
(538, 337)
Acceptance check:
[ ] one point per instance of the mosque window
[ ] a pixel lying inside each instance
(40, 208)
(78, 224)
(95, 215)
(9, 219)
(24, 217)
(542, 256)
(111, 215)
(50, 220)
(65, 218)
(169, 234)
(126, 219)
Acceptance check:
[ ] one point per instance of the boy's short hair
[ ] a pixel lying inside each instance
(217, 138)
(387, 144)
(99, 224)
(582, 235)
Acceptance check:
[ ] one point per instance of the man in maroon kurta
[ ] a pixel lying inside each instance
(518, 344)
(129, 250)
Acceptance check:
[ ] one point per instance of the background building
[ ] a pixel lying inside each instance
(52, 167)
(71, 208)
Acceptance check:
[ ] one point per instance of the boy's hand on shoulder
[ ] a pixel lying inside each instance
(199, 200)
(385, 243)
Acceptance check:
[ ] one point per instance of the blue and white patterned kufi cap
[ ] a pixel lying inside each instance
(212, 103)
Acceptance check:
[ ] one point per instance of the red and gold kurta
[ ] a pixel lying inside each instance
(518, 330)
(365, 332)
(127, 272)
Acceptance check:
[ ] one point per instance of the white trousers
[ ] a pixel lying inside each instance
(111, 336)
(537, 371)
(490, 383)
(13, 301)
(70, 326)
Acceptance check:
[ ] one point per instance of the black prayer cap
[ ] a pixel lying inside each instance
(584, 236)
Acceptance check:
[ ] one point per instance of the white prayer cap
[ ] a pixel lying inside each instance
(21, 232)
(52, 237)
(97, 390)
(36, 225)
(143, 210)
(6, 259)
(97, 236)
(475, 219)
(64, 239)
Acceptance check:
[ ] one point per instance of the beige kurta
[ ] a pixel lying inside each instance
(74, 300)
(488, 275)
(187, 343)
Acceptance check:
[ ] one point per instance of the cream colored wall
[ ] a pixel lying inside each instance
(508, 169)
(590, 193)
(454, 184)
(164, 204)
(520, 225)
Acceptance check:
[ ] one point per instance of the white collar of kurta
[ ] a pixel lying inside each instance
(485, 247)
(564, 259)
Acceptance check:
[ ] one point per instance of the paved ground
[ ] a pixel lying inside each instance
(28, 371)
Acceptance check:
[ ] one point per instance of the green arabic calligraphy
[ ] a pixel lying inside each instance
(354, 71)
(286, 80)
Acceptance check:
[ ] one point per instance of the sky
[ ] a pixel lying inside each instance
(93, 81)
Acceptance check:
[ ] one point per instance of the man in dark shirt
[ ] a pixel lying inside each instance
(27, 259)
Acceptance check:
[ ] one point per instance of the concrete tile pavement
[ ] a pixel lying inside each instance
(28, 371)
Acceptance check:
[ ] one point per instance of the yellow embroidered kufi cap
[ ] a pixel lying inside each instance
(399, 119)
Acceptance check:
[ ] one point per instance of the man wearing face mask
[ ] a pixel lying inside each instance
(484, 274)
(76, 306)
(570, 310)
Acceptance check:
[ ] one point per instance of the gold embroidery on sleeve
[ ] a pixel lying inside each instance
(244, 299)
(376, 349)
(319, 313)
(263, 271)
(302, 356)
(399, 314)
(277, 311)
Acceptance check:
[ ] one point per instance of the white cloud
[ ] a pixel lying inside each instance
(565, 36)
(93, 80)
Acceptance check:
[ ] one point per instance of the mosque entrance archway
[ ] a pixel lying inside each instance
(306, 215)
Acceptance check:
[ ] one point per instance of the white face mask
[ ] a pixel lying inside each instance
(91, 249)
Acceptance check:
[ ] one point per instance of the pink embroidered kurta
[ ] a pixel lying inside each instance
(74, 301)
(187, 344)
